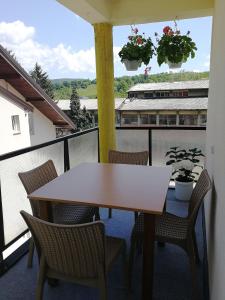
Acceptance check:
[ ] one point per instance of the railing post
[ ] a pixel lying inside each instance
(150, 147)
(98, 147)
(66, 156)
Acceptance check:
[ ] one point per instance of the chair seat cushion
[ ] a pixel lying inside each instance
(167, 226)
(72, 214)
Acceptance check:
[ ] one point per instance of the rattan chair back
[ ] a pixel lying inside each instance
(35, 178)
(132, 158)
(202, 186)
(71, 250)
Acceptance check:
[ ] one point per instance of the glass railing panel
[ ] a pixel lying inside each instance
(14, 198)
(132, 140)
(83, 148)
(162, 140)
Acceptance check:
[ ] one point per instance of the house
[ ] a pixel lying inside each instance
(181, 103)
(27, 115)
(91, 105)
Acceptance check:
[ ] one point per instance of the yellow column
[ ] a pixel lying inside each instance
(105, 88)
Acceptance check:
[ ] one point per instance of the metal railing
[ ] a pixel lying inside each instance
(146, 141)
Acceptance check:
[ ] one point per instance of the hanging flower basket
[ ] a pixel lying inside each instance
(138, 50)
(174, 48)
(132, 65)
(174, 65)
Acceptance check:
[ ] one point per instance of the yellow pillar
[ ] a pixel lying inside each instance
(105, 88)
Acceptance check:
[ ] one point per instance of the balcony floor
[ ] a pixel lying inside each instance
(172, 273)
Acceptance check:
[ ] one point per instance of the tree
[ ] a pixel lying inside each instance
(42, 79)
(81, 118)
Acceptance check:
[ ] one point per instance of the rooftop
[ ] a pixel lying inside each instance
(179, 85)
(165, 104)
(90, 104)
(20, 80)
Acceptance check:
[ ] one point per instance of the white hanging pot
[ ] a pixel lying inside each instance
(132, 65)
(183, 190)
(174, 65)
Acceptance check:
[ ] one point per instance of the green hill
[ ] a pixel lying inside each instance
(87, 87)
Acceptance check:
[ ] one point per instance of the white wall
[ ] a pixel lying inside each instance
(44, 130)
(215, 204)
(10, 141)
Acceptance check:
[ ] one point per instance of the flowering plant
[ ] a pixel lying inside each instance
(184, 161)
(137, 48)
(174, 47)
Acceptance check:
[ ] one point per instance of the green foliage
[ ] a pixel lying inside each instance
(81, 118)
(42, 79)
(138, 48)
(121, 84)
(184, 161)
(174, 47)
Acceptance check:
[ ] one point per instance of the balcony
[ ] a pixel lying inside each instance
(172, 274)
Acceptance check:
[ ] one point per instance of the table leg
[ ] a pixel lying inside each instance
(148, 257)
(45, 211)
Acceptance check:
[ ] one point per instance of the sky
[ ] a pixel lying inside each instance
(46, 32)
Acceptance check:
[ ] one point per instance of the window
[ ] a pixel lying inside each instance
(167, 120)
(148, 119)
(16, 124)
(148, 95)
(129, 119)
(167, 94)
(203, 120)
(188, 120)
(180, 94)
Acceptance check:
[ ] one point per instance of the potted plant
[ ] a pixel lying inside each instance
(137, 50)
(184, 162)
(174, 48)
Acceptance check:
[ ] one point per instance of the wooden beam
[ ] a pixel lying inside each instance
(9, 76)
(30, 99)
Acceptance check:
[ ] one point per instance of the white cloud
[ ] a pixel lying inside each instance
(19, 38)
(15, 32)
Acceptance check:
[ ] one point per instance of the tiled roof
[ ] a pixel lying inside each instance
(165, 104)
(17, 77)
(90, 104)
(179, 85)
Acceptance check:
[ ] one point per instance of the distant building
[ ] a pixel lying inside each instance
(181, 103)
(91, 106)
(27, 115)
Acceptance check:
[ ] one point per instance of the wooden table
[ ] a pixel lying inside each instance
(128, 187)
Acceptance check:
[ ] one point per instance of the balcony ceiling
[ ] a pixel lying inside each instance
(121, 12)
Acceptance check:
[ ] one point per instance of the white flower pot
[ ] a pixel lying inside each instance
(183, 190)
(132, 65)
(174, 65)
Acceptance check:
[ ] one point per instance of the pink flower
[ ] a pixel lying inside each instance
(167, 29)
(139, 41)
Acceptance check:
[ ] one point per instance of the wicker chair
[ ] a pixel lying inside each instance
(128, 158)
(62, 214)
(180, 231)
(85, 258)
